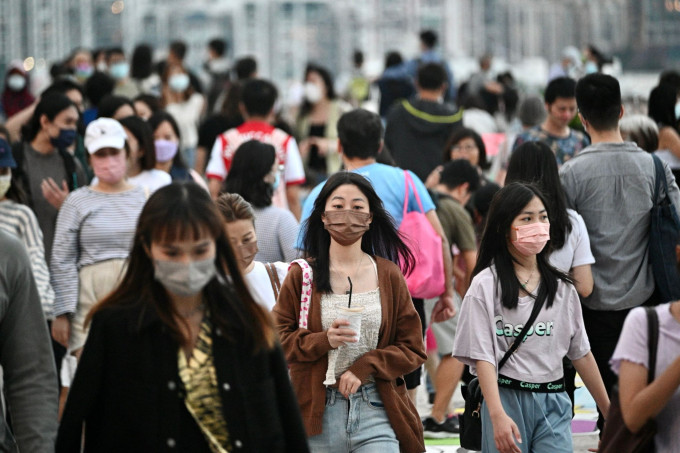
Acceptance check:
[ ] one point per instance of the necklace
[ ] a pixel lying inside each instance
(333, 267)
(193, 311)
(526, 282)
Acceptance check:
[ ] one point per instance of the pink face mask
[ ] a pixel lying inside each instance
(531, 239)
(110, 169)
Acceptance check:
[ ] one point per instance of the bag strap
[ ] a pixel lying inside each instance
(273, 279)
(306, 292)
(659, 178)
(518, 341)
(652, 341)
(408, 182)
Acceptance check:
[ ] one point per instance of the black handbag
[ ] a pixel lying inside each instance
(616, 437)
(471, 422)
(664, 235)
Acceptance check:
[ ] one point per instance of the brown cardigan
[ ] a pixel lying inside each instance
(400, 350)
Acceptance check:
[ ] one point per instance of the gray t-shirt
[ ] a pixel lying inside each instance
(486, 330)
(38, 167)
(611, 185)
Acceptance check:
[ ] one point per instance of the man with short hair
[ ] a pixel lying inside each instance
(257, 106)
(217, 66)
(119, 70)
(428, 54)
(418, 129)
(458, 179)
(611, 184)
(359, 142)
(560, 103)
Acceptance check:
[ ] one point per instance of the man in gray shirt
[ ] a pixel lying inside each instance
(30, 378)
(611, 184)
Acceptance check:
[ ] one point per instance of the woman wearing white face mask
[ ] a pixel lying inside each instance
(94, 231)
(17, 95)
(517, 298)
(263, 279)
(316, 129)
(181, 101)
(255, 174)
(180, 357)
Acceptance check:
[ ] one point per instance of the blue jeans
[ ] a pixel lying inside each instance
(543, 420)
(358, 424)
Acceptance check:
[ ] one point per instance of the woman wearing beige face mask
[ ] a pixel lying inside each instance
(263, 279)
(343, 373)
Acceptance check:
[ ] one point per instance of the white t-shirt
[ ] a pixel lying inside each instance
(151, 179)
(260, 284)
(576, 248)
(486, 330)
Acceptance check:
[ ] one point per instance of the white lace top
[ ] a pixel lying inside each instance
(340, 359)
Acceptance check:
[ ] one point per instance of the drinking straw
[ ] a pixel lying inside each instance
(349, 303)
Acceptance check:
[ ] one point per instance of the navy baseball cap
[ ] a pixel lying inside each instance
(6, 158)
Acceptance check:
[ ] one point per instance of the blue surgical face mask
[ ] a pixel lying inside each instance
(277, 181)
(65, 138)
(120, 70)
(677, 111)
(590, 67)
(179, 82)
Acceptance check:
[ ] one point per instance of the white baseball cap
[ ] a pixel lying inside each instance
(104, 133)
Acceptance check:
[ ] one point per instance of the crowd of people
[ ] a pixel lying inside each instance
(219, 274)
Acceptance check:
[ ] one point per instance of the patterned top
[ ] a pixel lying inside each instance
(340, 359)
(20, 221)
(202, 397)
(564, 147)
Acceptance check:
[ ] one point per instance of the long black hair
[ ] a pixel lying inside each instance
(144, 135)
(381, 239)
(175, 212)
(159, 118)
(661, 106)
(534, 162)
(507, 204)
(252, 161)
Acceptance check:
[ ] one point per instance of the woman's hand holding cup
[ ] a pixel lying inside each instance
(339, 334)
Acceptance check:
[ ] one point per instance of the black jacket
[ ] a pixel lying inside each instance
(128, 392)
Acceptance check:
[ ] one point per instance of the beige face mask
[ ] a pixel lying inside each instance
(347, 226)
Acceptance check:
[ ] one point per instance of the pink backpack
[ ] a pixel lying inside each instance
(306, 293)
(427, 278)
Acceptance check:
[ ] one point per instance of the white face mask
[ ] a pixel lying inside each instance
(5, 183)
(16, 82)
(677, 111)
(185, 279)
(179, 82)
(312, 92)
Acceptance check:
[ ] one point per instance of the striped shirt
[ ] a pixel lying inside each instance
(277, 231)
(20, 221)
(92, 227)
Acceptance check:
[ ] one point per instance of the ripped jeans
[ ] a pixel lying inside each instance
(355, 425)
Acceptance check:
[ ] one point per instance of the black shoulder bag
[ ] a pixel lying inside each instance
(664, 234)
(616, 437)
(471, 422)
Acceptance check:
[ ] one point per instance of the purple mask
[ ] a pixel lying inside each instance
(165, 150)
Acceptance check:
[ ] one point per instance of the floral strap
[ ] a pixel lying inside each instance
(306, 293)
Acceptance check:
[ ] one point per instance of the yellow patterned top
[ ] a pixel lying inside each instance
(202, 394)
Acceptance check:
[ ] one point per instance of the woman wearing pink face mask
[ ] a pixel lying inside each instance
(94, 232)
(526, 407)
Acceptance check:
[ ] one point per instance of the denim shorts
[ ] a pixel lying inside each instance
(357, 425)
(543, 420)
